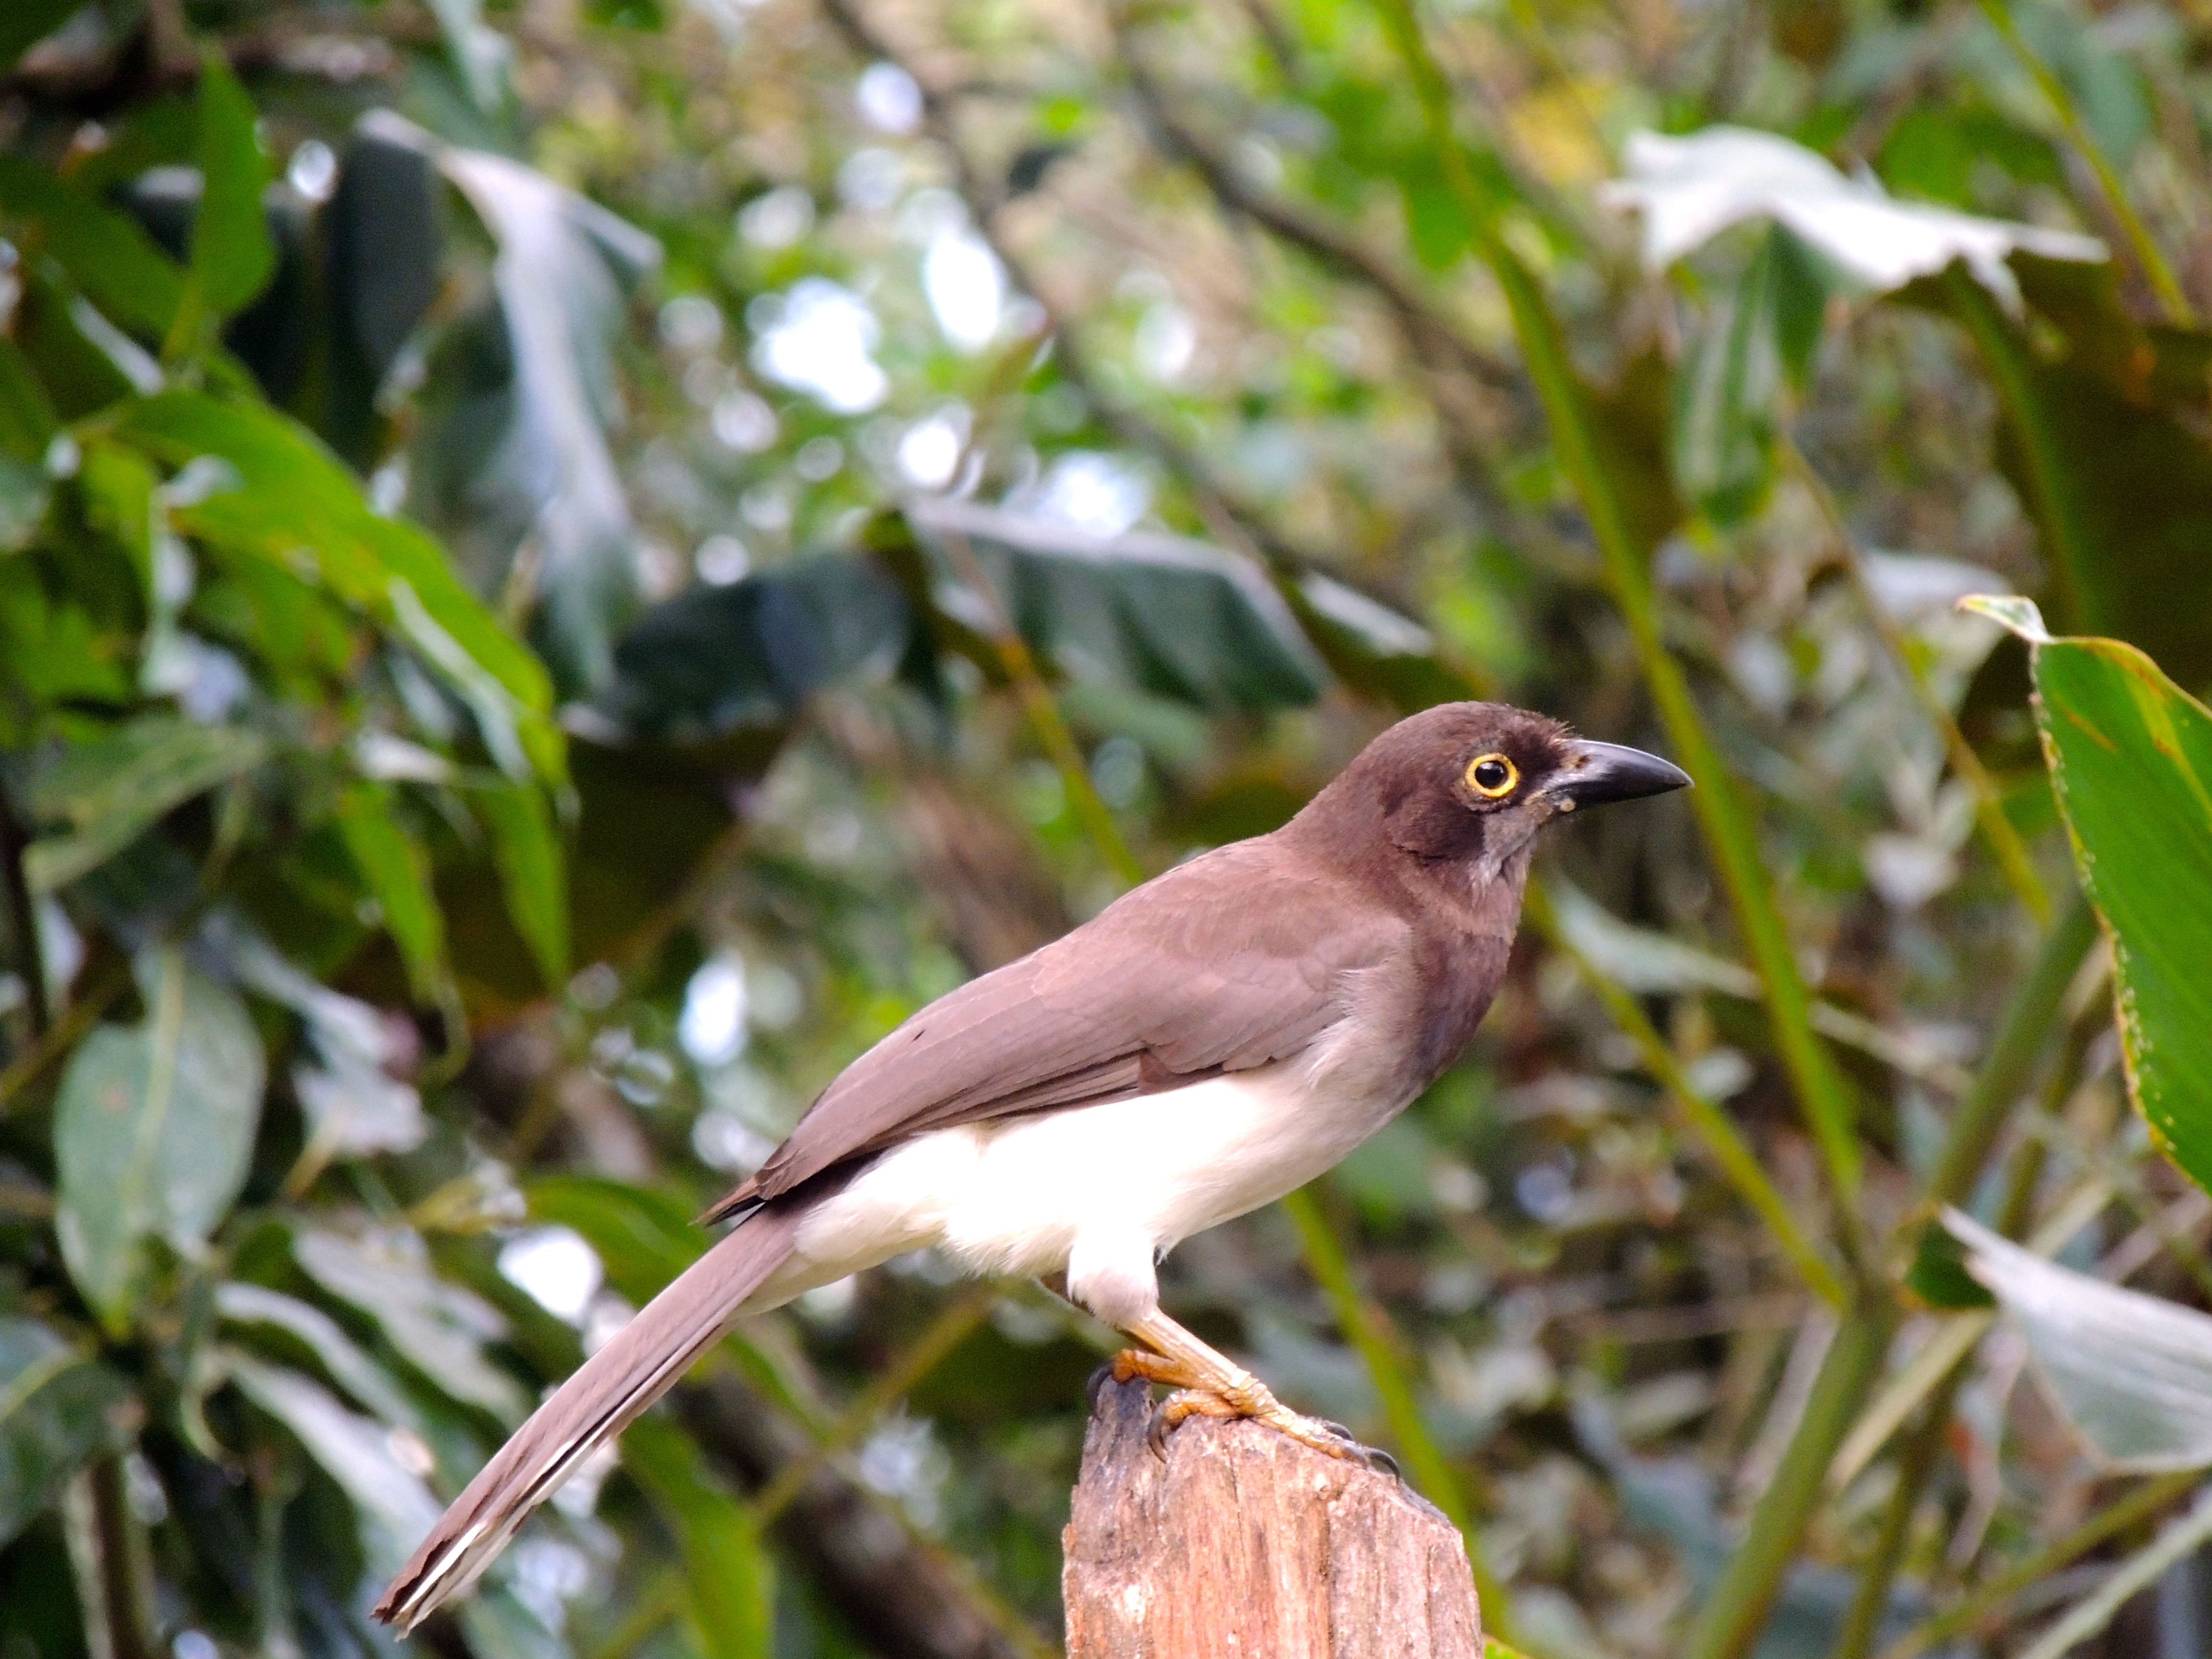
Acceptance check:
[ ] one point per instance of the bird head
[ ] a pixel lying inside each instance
(1473, 782)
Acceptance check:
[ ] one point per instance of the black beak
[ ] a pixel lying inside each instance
(1595, 773)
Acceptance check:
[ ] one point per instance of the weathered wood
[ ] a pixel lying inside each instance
(1244, 1545)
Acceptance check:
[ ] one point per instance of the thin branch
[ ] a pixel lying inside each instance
(22, 918)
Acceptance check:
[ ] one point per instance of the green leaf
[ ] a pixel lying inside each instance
(439, 1328)
(26, 23)
(297, 508)
(391, 1505)
(321, 1335)
(109, 793)
(120, 268)
(530, 871)
(1161, 614)
(154, 1130)
(232, 256)
(1938, 1274)
(59, 1409)
(729, 1585)
(2130, 757)
(397, 874)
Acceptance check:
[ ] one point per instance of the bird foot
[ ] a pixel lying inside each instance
(1197, 1394)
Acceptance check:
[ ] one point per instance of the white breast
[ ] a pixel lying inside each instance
(1099, 1191)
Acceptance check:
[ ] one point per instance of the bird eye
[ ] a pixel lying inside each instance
(1492, 775)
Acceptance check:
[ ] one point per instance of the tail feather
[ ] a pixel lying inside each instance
(638, 1365)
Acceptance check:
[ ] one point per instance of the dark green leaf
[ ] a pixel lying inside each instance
(2130, 757)
(1938, 1275)
(528, 856)
(714, 659)
(232, 254)
(117, 263)
(58, 1407)
(154, 1130)
(393, 868)
(1175, 617)
(109, 793)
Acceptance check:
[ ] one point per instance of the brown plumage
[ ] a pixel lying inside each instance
(1339, 964)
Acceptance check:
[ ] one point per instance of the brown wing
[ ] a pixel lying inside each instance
(1238, 958)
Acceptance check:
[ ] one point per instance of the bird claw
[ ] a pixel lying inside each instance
(1096, 1387)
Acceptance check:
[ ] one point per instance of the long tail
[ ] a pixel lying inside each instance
(638, 1365)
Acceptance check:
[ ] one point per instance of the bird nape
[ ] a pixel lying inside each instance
(1212, 1040)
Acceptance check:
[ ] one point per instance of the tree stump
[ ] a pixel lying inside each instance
(1245, 1544)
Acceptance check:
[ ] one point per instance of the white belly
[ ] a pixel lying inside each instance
(1096, 1192)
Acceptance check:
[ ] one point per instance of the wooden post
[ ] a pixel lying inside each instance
(1244, 1545)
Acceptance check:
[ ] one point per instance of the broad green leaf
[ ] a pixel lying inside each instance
(527, 853)
(440, 1329)
(117, 264)
(24, 23)
(2130, 757)
(58, 1407)
(107, 793)
(394, 1508)
(712, 660)
(154, 1130)
(341, 1357)
(232, 256)
(730, 1587)
(297, 508)
(393, 868)
(2133, 1373)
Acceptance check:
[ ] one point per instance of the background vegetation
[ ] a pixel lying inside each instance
(564, 566)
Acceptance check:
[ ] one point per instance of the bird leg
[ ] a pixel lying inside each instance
(1208, 1383)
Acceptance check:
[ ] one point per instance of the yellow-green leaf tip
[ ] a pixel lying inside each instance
(2014, 612)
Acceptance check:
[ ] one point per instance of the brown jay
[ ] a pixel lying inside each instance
(1211, 1041)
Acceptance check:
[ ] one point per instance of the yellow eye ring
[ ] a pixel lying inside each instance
(1493, 776)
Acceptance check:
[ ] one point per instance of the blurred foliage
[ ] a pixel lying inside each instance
(562, 567)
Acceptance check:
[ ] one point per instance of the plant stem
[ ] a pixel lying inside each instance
(2139, 1505)
(2145, 248)
(1916, 1461)
(1734, 1614)
(2004, 842)
(1729, 830)
(2027, 1026)
(1365, 1326)
(1713, 1126)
